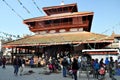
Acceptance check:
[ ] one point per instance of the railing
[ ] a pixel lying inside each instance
(58, 25)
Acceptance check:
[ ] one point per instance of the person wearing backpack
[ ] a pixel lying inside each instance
(96, 66)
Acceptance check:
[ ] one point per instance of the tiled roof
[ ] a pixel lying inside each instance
(60, 38)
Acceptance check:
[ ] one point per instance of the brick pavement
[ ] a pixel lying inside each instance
(7, 74)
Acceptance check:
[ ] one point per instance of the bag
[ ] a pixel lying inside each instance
(97, 66)
(23, 65)
(113, 72)
(102, 71)
(74, 71)
(50, 66)
(70, 72)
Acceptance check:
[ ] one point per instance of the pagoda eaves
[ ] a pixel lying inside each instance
(56, 21)
(60, 9)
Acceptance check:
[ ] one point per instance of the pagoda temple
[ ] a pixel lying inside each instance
(62, 30)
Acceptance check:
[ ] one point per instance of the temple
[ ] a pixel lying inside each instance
(61, 18)
(63, 30)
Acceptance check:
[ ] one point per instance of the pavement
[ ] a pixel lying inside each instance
(8, 74)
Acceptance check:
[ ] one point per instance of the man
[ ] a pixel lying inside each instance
(3, 61)
(64, 64)
(111, 68)
(16, 65)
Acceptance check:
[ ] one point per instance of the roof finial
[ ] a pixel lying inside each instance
(62, 3)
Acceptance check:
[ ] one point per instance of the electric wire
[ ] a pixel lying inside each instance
(13, 10)
(37, 6)
(24, 8)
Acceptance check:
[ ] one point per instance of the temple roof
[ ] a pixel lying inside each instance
(59, 16)
(59, 39)
(60, 9)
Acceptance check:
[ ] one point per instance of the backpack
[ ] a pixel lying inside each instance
(102, 71)
(111, 65)
(97, 66)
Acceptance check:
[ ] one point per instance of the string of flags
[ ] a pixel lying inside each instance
(24, 7)
(37, 6)
(7, 35)
(13, 9)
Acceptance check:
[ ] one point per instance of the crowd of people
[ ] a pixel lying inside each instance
(69, 66)
(99, 68)
(18, 64)
(108, 65)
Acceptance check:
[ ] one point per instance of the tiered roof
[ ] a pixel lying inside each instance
(60, 38)
(60, 9)
(61, 12)
(59, 16)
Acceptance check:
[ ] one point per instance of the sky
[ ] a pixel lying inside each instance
(106, 17)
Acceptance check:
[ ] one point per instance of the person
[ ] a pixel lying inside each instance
(116, 64)
(64, 64)
(0, 61)
(3, 62)
(32, 62)
(111, 69)
(22, 65)
(79, 61)
(75, 68)
(69, 61)
(16, 64)
(96, 66)
(83, 62)
(101, 63)
(107, 63)
(119, 61)
(50, 66)
(39, 60)
(53, 64)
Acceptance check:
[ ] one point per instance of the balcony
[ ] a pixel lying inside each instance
(56, 26)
